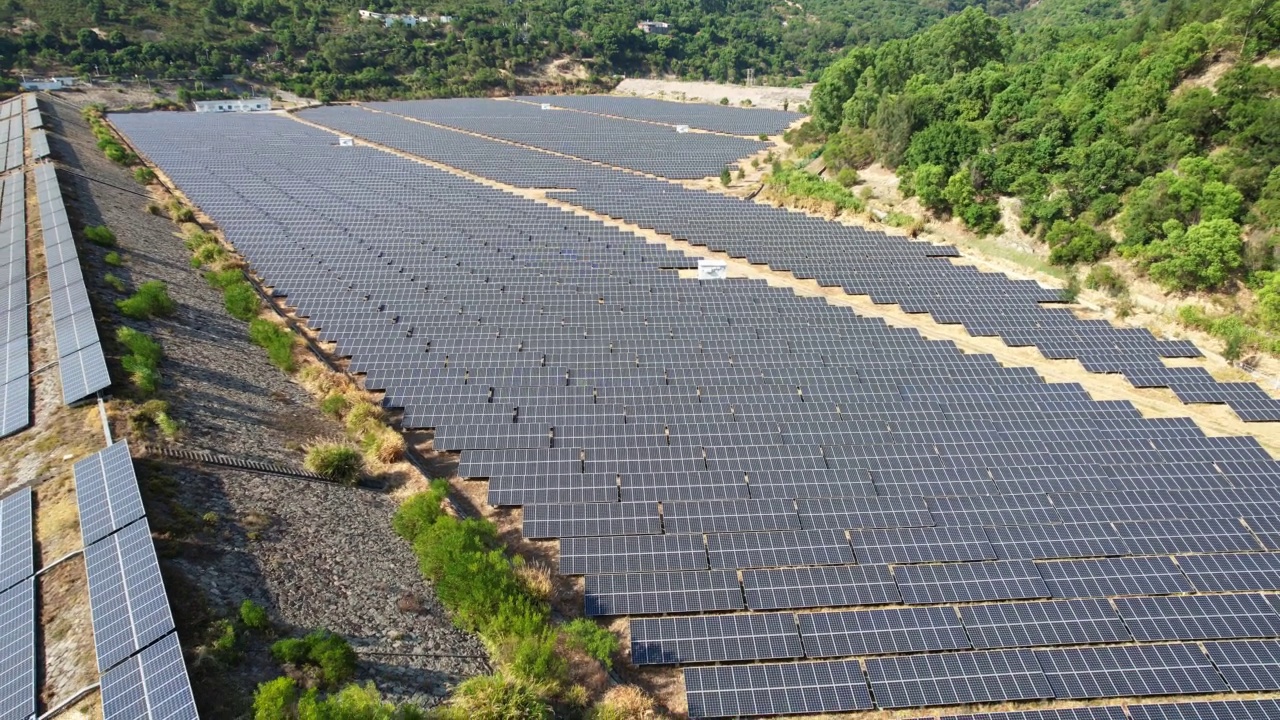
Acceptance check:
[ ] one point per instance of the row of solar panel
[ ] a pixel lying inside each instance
(15, 383)
(703, 116)
(675, 218)
(958, 678)
(17, 607)
(143, 673)
(81, 364)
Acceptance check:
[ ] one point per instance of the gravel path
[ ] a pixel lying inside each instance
(315, 555)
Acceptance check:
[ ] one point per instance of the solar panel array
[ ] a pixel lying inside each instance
(644, 147)
(15, 384)
(12, 114)
(702, 116)
(143, 675)
(689, 441)
(17, 607)
(81, 364)
(890, 269)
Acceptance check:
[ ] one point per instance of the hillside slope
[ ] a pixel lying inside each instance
(322, 48)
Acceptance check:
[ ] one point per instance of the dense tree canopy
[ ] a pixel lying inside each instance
(1099, 123)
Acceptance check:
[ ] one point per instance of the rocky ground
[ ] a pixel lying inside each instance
(315, 555)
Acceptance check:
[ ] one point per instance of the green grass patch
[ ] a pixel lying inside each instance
(142, 359)
(116, 283)
(336, 462)
(151, 300)
(329, 653)
(793, 184)
(100, 235)
(241, 301)
(1237, 335)
(144, 175)
(277, 341)
(113, 259)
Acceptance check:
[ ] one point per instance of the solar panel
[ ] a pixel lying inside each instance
(956, 678)
(779, 549)
(776, 689)
(107, 492)
(18, 650)
(1102, 712)
(714, 638)
(631, 554)
(17, 551)
(969, 582)
(881, 631)
(829, 586)
(661, 593)
(1213, 710)
(1110, 577)
(1232, 572)
(729, 516)
(1199, 617)
(152, 685)
(586, 519)
(126, 595)
(1055, 622)
(921, 545)
(1247, 665)
(1129, 671)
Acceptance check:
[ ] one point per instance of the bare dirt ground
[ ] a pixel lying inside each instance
(707, 92)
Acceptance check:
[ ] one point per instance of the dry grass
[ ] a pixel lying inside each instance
(537, 576)
(626, 702)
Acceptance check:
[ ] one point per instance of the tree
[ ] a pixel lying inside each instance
(1075, 241)
(948, 144)
(929, 181)
(1201, 258)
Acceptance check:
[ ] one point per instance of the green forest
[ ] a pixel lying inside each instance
(321, 48)
(1154, 135)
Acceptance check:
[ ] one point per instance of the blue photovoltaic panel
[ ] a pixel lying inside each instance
(18, 651)
(776, 689)
(1053, 622)
(784, 548)
(17, 551)
(107, 492)
(1111, 577)
(1247, 665)
(126, 595)
(881, 631)
(956, 678)
(1129, 671)
(1227, 572)
(828, 586)
(715, 638)
(1199, 617)
(1103, 712)
(661, 593)
(1214, 710)
(152, 685)
(969, 582)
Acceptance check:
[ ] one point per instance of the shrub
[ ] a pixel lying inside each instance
(224, 645)
(113, 259)
(334, 404)
(763, 136)
(625, 702)
(847, 177)
(596, 641)
(363, 416)
(254, 616)
(384, 445)
(335, 462)
(498, 697)
(420, 511)
(535, 657)
(795, 183)
(151, 299)
(181, 213)
(114, 282)
(207, 254)
(331, 653)
(275, 699)
(725, 178)
(142, 359)
(1105, 278)
(241, 301)
(724, 101)
(1076, 241)
(100, 235)
(1072, 290)
(144, 175)
(156, 413)
(223, 279)
(277, 341)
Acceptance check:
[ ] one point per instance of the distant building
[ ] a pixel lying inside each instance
(653, 27)
(54, 83)
(233, 105)
(390, 19)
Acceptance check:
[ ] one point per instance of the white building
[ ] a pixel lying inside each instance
(653, 27)
(49, 84)
(233, 105)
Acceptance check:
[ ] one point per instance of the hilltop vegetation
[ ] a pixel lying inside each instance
(1107, 128)
(321, 48)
